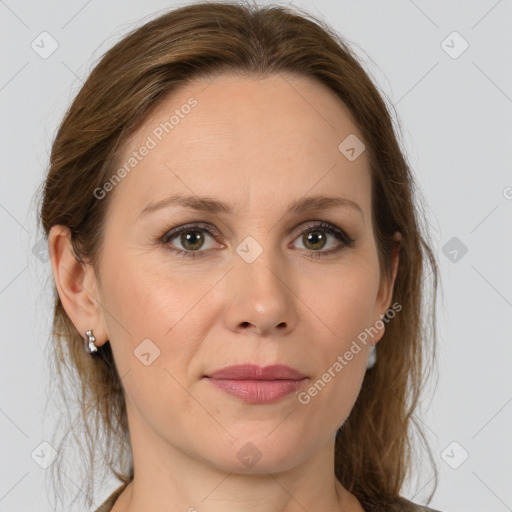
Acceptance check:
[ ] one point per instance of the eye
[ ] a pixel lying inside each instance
(314, 237)
(191, 238)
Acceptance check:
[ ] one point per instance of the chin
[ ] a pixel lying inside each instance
(255, 452)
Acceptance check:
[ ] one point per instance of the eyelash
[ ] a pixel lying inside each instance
(339, 234)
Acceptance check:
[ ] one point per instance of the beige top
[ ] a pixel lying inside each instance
(404, 506)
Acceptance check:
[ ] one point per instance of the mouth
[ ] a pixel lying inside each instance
(255, 384)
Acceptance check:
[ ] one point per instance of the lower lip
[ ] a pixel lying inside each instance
(258, 391)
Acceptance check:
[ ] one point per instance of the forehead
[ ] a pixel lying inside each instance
(245, 139)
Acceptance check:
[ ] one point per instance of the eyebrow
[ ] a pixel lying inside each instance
(317, 202)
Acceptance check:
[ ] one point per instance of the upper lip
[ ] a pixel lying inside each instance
(255, 372)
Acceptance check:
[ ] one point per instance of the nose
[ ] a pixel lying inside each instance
(261, 297)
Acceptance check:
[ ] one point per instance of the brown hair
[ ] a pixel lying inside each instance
(373, 447)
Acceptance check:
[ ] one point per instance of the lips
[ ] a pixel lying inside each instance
(255, 372)
(254, 384)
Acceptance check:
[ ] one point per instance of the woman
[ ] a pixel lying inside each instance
(232, 231)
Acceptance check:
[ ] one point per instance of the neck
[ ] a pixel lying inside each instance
(182, 483)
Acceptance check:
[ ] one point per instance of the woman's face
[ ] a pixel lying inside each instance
(257, 283)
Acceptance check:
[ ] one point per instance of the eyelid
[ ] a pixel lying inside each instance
(198, 226)
(327, 226)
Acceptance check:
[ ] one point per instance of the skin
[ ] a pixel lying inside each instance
(256, 144)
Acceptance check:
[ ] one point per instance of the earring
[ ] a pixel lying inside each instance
(372, 357)
(90, 347)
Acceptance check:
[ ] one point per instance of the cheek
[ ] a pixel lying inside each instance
(342, 309)
(147, 312)
(147, 293)
(152, 340)
(344, 305)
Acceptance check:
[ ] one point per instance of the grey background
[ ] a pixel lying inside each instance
(455, 115)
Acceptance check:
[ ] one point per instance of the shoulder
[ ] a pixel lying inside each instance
(404, 505)
(399, 505)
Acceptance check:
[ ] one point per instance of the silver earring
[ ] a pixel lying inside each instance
(372, 357)
(90, 347)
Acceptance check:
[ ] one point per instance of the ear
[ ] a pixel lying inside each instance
(386, 287)
(76, 285)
